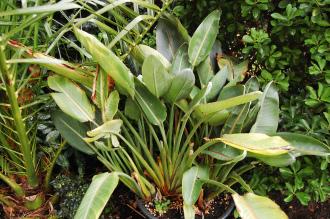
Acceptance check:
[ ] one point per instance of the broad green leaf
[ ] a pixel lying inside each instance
(141, 52)
(257, 143)
(205, 71)
(268, 116)
(102, 89)
(97, 196)
(223, 152)
(191, 188)
(72, 131)
(168, 38)
(216, 119)
(181, 85)
(155, 76)
(217, 83)
(132, 110)
(251, 206)
(111, 105)
(109, 127)
(175, 22)
(232, 91)
(71, 98)
(202, 41)
(48, 8)
(108, 61)
(305, 145)
(200, 96)
(209, 108)
(180, 60)
(153, 109)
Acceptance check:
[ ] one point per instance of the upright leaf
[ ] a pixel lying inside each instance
(251, 206)
(168, 38)
(97, 196)
(141, 52)
(218, 80)
(202, 41)
(108, 61)
(71, 98)
(181, 85)
(181, 60)
(72, 131)
(111, 105)
(191, 188)
(268, 116)
(205, 71)
(155, 76)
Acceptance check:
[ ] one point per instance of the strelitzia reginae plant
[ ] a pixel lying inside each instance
(174, 127)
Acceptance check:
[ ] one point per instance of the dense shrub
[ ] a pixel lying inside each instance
(286, 41)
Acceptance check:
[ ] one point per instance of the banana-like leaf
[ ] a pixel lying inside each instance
(108, 61)
(276, 161)
(305, 145)
(71, 99)
(268, 116)
(209, 108)
(223, 152)
(109, 127)
(151, 106)
(155, 76)
(218, 80)
(168, 38)
(202, 41)
(251, 206)
(181, 86)
(72, 131)
(59, 6)
(97, 196)
(132, 110)
(181, 60)
(257, 143)
(141, 52)
(191, 188)
(205, 71)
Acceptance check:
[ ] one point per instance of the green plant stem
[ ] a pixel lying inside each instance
(13, 185)
(51, 166)
(221, 185)
(16, 113)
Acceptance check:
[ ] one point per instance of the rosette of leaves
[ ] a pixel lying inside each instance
(151, 129)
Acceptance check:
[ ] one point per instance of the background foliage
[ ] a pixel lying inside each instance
(286, 41)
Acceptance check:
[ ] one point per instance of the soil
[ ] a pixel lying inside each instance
(295, 210)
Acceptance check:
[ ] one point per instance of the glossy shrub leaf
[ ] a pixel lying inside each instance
(97, 196)
(202, 41)
(108, 61)
(257, 143)
(209, 108)
(181, 60)
(305, 145)
(268, 115)
(191, 188)
(155, 76)
(181, 85)
(150, 105)
(71, 99)
(72, 131)
(251, 206)
(168, 38)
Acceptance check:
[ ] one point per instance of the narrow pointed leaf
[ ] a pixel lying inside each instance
(251, 206)
(108, 61)
(208, 108)
(202, 41)
(71, 98)
(97, 196)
